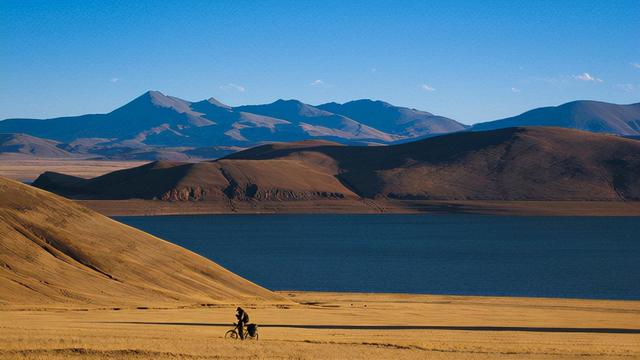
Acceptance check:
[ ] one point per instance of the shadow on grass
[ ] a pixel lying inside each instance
(401, 327)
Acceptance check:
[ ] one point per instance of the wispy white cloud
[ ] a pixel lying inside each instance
(114, 80)
(374, 69)
(548, 80)
(586, 77)
(636, 65)
(232, 86)
(317, 83)
(515, 90)
(426, 87)
(564, 80)
(625, 87)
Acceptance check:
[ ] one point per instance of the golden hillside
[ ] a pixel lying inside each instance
(53, 251)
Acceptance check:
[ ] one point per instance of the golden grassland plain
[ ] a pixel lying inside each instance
(30, 169)
(151, 299)
(334, 326)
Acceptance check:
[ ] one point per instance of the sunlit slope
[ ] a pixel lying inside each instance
(53, 251)
(213, 181)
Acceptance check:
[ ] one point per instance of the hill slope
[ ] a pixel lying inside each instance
(535, 163)
(592, 116)
(507, 164)
(53, 251)
(213, 181)
(22, 145)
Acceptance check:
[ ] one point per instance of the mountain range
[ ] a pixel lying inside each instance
(522, 163)
(155, 126)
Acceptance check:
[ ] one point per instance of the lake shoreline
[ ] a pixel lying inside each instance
(136, 207)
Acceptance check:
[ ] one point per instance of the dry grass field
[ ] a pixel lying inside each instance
(74, 284)
(30, 169)
(53, 251)
(335, 326)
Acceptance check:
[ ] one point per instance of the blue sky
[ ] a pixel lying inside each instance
(469, 60)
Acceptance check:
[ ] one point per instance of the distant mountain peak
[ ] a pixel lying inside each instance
(288, 102)
(216, 102)
(157, 99)
(153, 93)
(153, 96)
(333, 103)
(369, 101)
(296, 106)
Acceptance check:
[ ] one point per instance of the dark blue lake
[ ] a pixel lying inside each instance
(578, 257)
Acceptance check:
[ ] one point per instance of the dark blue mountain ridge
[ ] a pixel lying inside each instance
(594, 116)
(160, 120)
(402, 121)
(155, 123)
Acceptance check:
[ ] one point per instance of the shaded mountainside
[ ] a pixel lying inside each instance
(592, 116)
(158, 126)
(507, 164)
(319, 123)
(53, 251)
(400, 121)
(535, 163)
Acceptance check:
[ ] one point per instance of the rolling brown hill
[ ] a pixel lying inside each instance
(536, 163)
(213, 181)
(54, 252)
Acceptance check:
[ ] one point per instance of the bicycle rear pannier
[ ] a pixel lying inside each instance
(252, 328)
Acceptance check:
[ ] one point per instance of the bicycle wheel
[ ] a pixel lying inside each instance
(231, 334)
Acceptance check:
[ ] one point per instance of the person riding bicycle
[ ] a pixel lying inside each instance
(243, 320)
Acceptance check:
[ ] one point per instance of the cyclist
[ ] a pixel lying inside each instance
(243, 320)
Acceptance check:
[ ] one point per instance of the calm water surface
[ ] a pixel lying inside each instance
(582, 257)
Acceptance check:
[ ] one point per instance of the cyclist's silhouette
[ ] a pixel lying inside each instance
(243, 320)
